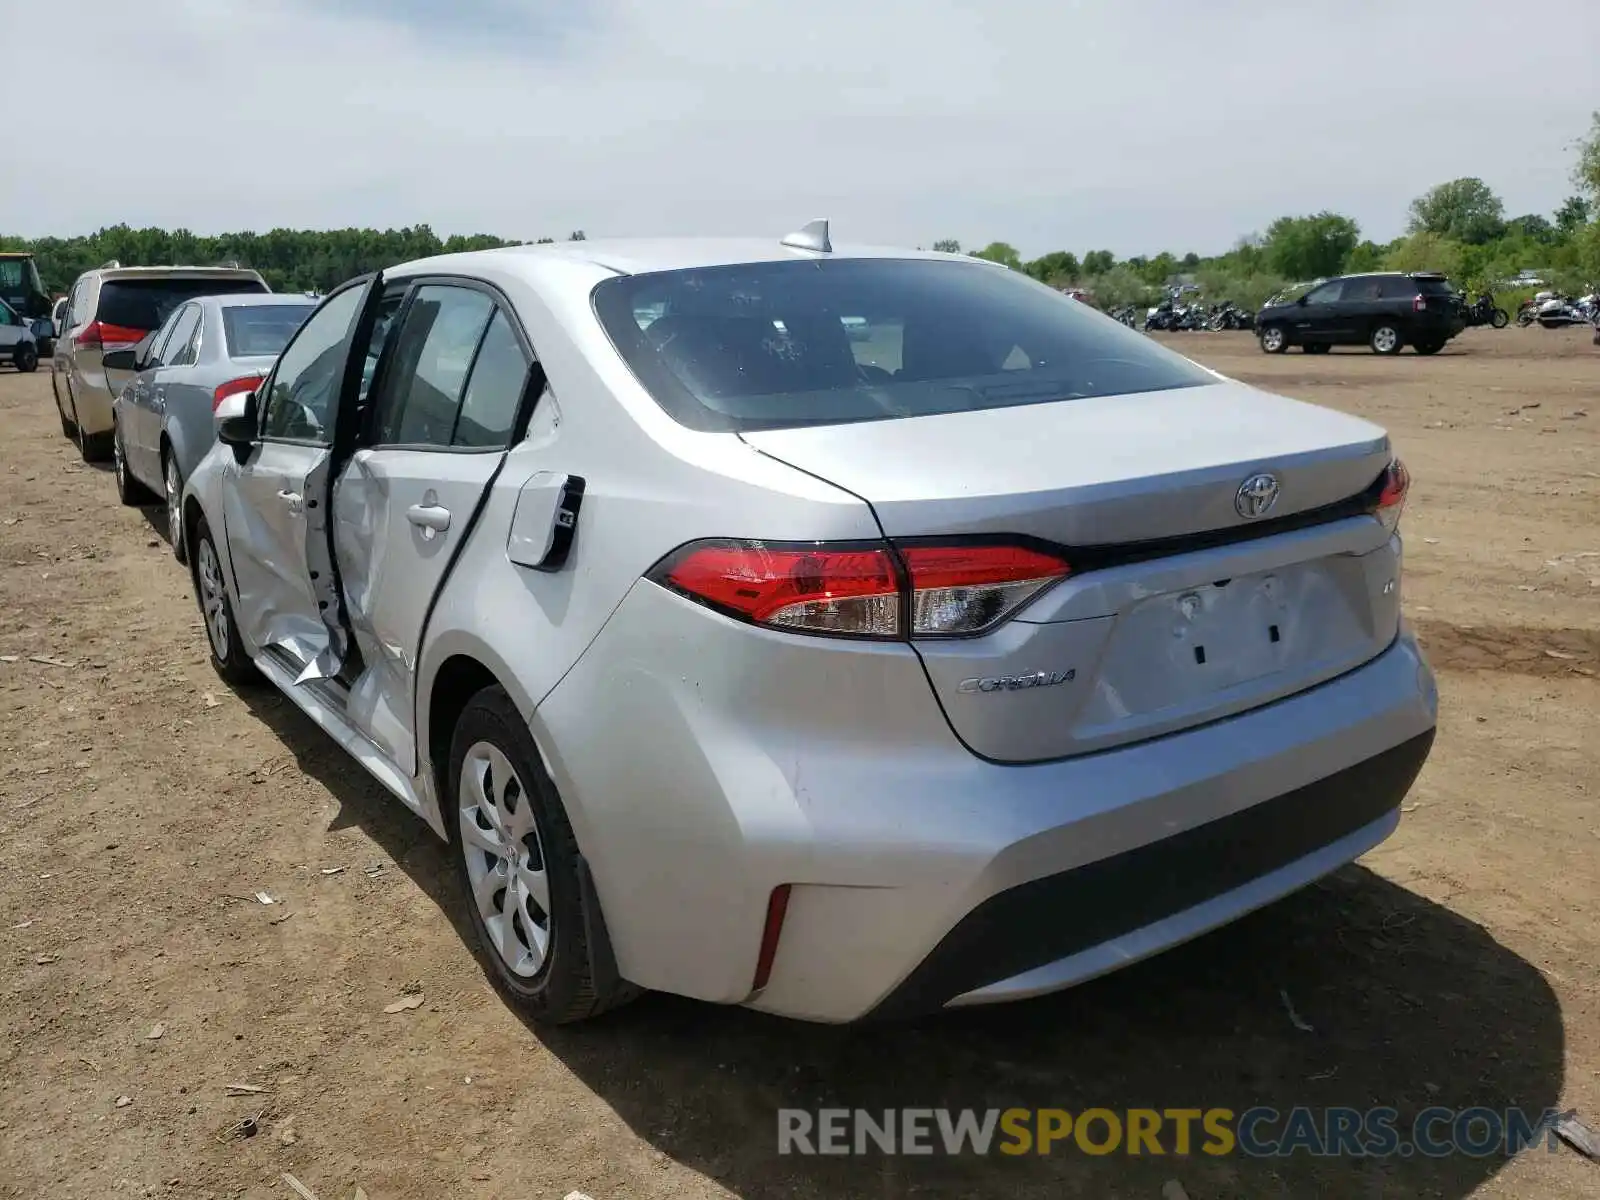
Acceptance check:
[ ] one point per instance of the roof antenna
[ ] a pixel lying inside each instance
(813, 235)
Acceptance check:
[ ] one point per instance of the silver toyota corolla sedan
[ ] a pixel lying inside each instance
(208, 350)
(835, 631)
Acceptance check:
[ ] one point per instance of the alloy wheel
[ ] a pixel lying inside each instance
(174, 488)
(1272, 339)
(505, 860)
(1385, 339)
(213, 598)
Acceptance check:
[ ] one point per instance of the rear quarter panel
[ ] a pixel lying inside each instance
(651, 486)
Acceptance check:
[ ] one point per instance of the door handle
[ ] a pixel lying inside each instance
(429, 517)
(292, 499)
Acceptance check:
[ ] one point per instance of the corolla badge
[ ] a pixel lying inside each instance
(1256, 496)
(1017, 683)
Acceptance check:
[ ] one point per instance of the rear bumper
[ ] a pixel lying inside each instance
(705, 763)
(1061, 929)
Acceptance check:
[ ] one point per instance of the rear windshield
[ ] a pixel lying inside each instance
(779, 345)
(1434, 287)
(146, 303)
(259, 329)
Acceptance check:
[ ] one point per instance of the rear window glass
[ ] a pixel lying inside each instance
(146, 303)
(778, 345)
(261, 329)
(1434, 287)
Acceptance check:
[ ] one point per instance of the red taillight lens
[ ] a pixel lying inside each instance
(967, 589)
(1419, 302)
(1391, 500)
(861, 590)
(120, 335)
(89, 337)
(233, 387)
(824, 588)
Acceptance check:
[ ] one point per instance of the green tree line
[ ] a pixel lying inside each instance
(291, 260)
(1459, 227)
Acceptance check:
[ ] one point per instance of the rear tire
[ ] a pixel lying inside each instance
(228, 658)
(94, 447)
(1386, 338)
(172, 485)
(1428, 347)
(1273, 339)
(506, 823)
(1500, 318)
(129, 490)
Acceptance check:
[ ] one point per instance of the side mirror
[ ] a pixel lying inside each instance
(121, 360)
(236, 425)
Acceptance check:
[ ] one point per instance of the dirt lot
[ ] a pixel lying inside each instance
(143, 805)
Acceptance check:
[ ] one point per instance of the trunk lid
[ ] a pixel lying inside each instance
(1181, 609)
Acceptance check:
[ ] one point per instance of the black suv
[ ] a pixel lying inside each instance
(1386, 311)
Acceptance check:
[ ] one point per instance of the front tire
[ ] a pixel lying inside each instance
(1273, 339)
(26, 358)
(1386, 339)
(1500, 318)
(228, 657)
(518, 863)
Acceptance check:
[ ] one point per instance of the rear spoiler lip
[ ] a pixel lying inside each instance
(1098, 557)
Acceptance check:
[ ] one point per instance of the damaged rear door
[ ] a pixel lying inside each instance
(444, 410)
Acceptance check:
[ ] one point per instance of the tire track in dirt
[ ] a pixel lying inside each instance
(1515, 649)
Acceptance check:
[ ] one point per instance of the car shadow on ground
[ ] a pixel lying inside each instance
(1355, 992)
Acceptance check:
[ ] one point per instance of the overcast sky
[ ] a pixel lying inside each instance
(1131, 125)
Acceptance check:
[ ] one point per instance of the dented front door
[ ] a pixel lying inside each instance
(276, 503)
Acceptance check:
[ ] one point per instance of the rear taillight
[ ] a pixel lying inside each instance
(233, 387)
(966, 589)
(1419, 302)
(1391, 500)
(844, 589)
(97, 335)
(861, 589)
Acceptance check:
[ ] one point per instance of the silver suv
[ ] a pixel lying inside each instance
(115, 307)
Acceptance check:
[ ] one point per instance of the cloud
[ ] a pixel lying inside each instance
(1133, 127)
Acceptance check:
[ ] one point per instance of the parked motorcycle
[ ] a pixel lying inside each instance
(1528, 310)
(1483, 312)
(1561, 312)
(1229, 316)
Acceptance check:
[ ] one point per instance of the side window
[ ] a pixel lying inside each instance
(188, 352)
(1328, 293)
(1398, 287)
(1363, 291)
(489, 408)
(422, 388)
(160, 342)
(176, 353)
(307, 374)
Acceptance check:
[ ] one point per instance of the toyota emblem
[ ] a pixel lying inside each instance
(1256, 496)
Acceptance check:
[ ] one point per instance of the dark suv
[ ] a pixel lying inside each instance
(1386, 311)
